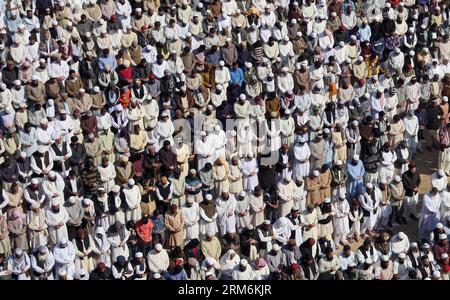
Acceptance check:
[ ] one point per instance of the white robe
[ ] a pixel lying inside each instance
(132, 199)
(430, 214)
(301, 169)
(191, 221)
(367, 204)
(226, 220)
(250, 181)
(64, 259)
(340, 220)
(53, 219)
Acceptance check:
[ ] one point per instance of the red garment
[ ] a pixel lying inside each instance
(446, 268)
(127, 73)
(144, 231)
(125, 98)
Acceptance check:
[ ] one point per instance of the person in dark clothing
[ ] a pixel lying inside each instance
(306, 248)
(168, 160)
(102, 272)
(411, 181)
(78, 157)
(434, 114)
(192, 249)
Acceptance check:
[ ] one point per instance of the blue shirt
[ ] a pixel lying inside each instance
(237, 76)
(109, 60)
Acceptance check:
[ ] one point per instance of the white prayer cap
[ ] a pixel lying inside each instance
(210, 261)
(397, 178)
(383, 181)
(442, 236)
(248, 64)
(402, 255)
(203, 133)
(353, 37)
(341, 44)
(72, 199)
(34, 181)
(156, 276)
(35, 205)
(82, 90)
(351, 264)
(436, 274)
(411, 29)
(401, 235)
(444, 255)
(243, 263)
(34, 77)
(339, 162)
(139, 255)
(369, 185)
(96, 89)
(287, 111)
(326, 130)
(200, 5)
(250, 155)
(360, 58)
(284, 69)
(242, 194)
(18, 251)
(221, 63)
(62, 272)
(17, 82)
(208, 197)
(286, 39)
(266, 222)
(294, 21)
(439, 225)
(333, 14)
(44, 121)
(302, 140)
(426, 246)
(115, 188)
(367, 95)
(423, 26)
(413, 244)
(54, 23)
(288, 177)
(86, 201)
(42, 149)
(316, 173)
(348, 60)
(384, 258)
(427, 278)
(355, 157)
(91, 135)
(23, 154)
(397, 50)
(242, 97)
(441, 173)
(138, 9)
(190, 199)
(342, 194)
(131, 181)
(388, 5)
(62, 241)
(219, 87)
(158, 247)
(51, 174)
(276, 247)
(327, 200)
(368, 261)
(299, 34)
(54, 202)
(445, 99)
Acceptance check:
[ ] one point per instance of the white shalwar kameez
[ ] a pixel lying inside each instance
(250, 174)
(191, 221)
(225, 212)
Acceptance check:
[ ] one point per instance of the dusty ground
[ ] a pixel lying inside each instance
(426, 165)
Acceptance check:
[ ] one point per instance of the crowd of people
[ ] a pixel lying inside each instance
(231, 139)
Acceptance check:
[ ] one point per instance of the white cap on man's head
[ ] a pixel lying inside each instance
(158, 247)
